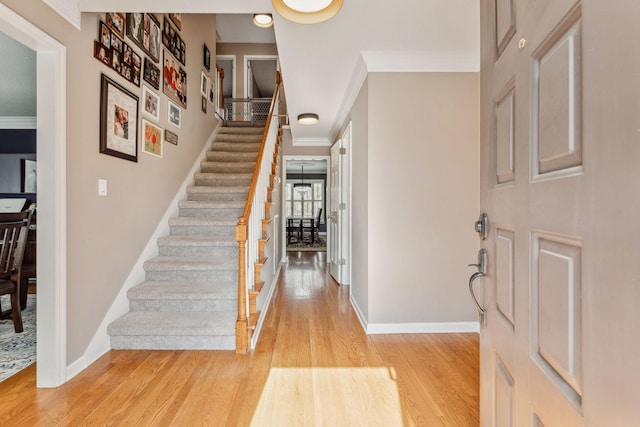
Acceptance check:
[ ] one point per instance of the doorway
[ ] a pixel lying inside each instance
(51, 182)
(260, 75)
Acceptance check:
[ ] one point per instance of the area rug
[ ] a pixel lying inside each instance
(17, 351)
(320, 245)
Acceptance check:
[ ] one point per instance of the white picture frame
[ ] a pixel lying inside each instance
(204, 84)
(173, 114)
(150, 103)
(152, 138)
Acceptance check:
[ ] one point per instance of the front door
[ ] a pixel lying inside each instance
(340, 209)
(560, 174)
(333, 218)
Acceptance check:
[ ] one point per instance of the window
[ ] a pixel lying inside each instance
(304, 204)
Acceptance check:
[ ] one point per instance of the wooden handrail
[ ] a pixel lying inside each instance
(242, 323)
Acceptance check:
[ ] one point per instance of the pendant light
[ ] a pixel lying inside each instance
(300, 187)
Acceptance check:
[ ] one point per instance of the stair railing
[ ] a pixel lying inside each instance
(250, 225)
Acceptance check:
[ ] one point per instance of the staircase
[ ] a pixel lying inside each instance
(190, 297)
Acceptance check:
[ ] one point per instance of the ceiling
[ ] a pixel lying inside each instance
(323, 65)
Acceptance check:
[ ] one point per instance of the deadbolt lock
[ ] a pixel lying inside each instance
(482, 226)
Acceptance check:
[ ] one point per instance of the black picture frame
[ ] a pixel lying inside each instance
(118, 120)
(143, 29)
(151, 74)
(173, 42)
(206, 57)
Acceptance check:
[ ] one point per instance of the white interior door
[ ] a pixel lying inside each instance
(560, 150)
(340, 209)
(333, 217)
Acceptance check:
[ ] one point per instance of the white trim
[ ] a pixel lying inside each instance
(400, 62)
(422, 328)
(311, 142)
(248, 58)
(101, 342)
(358, 78)
(18, 122)
(231, 58)
(68, 9)
(267, 304)
(76, 367)
(356, 309)
(52, 201)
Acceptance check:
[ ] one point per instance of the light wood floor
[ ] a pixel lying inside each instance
(313, 366)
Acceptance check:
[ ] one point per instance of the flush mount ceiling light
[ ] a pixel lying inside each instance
(263, 20)
(307, 11)
(308, 118)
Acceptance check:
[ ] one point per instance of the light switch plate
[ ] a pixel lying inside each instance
(102, 187)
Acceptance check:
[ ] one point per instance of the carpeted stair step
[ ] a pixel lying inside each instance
(212, 194)
(245, 130)
(203, 226)
(190, 269)
(232, 209)
(198, 245)
(174, 330)
(223, 179)
(232, 156)
(227, 167)
(183, 296)
(236, 146)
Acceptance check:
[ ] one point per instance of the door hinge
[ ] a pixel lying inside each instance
(343, 150)
(342, 206)
(342, 261)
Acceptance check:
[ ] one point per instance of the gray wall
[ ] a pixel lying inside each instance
(18, 82)
(415, 196)
(105, 235)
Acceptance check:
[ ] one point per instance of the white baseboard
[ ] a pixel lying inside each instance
(75, 368)
(422, 328)
(359, 314)
(101, 343)
(267, 304)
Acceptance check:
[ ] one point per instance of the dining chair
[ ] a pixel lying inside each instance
(13, 235)
(312, 227)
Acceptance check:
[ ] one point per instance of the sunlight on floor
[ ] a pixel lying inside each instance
(329, 397)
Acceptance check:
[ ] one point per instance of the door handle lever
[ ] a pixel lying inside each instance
(481, 310)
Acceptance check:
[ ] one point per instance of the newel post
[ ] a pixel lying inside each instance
(242, 324)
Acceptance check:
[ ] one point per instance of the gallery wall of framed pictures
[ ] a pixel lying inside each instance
(148, 54)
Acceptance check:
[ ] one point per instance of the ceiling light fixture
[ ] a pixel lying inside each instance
(263, 20)
(307, 11)
(308, 118)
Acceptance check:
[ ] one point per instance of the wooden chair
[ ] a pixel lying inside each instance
(312, 227)
(13, 235)
(293, 230)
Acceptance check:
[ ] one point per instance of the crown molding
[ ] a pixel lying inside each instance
(311, 142)
(9, 122)
(68, 9)
(401, 62)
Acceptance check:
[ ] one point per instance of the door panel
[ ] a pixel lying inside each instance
(560, 149)
(335, 249)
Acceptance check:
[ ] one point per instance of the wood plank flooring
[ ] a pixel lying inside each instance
(314, 366)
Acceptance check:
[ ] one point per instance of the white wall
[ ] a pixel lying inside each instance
(422, 183)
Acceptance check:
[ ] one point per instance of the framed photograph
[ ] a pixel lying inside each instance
(176, 18)
(144, 30)
(116, 60)
(206, 58)
(126, 53)
(116, 43)
(30, 174)
(203, 84)
(174, 80)
(135, 75)
(173, 114)
(151, 73)
(204, 104)
(126, 72)
(172, 41)
(212, 92)
(116, 22)
(150, 103)
(151, 136)
(118, 121)
(105, 35)
(102, 53)
(170, 137)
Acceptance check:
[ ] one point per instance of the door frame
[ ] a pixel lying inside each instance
(52, 201)
(248, 58)
(283, 201)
